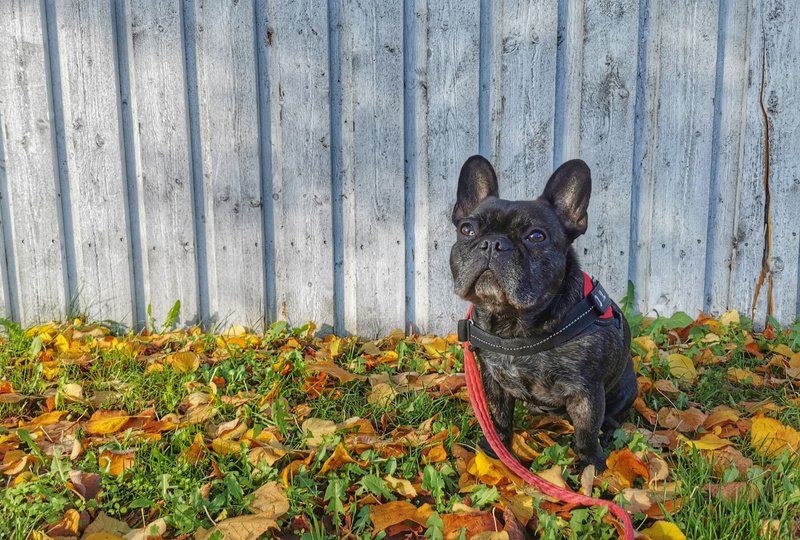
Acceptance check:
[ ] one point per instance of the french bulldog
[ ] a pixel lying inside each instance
(514, 261)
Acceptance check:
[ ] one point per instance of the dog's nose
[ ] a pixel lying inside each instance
(496, 243)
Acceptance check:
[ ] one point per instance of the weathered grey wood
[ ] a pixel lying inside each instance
(452, 115)
(607, 110)
(95, 164)
(32, 190)
(376, 34)
(162, 150)
(682, 153)
(226, 77)
(569, 78)
(774, 32)
(728, 147)
(300, 62)
(527, 35)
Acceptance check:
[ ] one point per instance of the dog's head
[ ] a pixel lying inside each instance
(512, 255)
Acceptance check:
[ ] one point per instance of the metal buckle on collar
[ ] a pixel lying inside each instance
(599, 298)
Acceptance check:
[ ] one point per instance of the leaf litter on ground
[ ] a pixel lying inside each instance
(291, 434)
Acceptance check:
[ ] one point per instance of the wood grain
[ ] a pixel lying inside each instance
(607, 111)
(299, 63)
(226, 73)
(452, 137)
(163, 169)
(38, 275)
(95, 164)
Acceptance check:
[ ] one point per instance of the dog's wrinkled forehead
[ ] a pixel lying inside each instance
(506, 217)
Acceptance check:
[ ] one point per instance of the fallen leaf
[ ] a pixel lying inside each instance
(627, 467)
(315, 429)
(151, 530)
(733, 491)
(117, 461)
(392, 513)
(731, 317)
(184, 362)
(338, 459)
(745, 376)
(247, 527)
(67, 525)
(401, 486)
(663, 530)
(382, 395)
(688, 420)
(709, 441)
(107, 422)
(332, 369)
(770, 437)
(681, 366)
(270, 500)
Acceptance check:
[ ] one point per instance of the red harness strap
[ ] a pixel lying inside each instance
(478, 399)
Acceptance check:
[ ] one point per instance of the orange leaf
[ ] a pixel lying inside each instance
(338, 459)
(624, 465)
(392, 513)
(67, 525)
(435, 454)
(117, 460)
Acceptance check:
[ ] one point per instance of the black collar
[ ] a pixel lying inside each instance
(590, 310)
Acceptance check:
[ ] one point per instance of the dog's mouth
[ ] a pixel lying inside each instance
(488, 287)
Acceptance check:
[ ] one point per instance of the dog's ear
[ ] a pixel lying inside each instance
(476, 182)
(568, 190)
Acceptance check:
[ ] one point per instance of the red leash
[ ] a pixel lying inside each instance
(476, 395)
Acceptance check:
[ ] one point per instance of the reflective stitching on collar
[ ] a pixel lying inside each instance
(476, 338)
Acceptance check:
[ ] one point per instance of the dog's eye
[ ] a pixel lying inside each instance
(536, 236)
(467, 230)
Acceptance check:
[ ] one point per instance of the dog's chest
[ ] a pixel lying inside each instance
(535, 379)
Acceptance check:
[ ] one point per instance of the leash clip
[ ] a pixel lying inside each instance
(599, 298)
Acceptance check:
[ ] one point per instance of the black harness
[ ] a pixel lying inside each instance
(594, 312)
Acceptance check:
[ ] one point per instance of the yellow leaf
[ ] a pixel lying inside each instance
(770, 437)
(401, 486)
(184, 362)
(106, 422)
(730, 317)
(648, 345)
(486, 471)
(681, 366)
(663, 530)
(382, 394)
(744, 376)
(784, 350)
(51, 370)
(315, 429)
(708, 441)
(436, 346)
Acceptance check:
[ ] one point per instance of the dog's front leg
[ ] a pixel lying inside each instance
(501, 409)
(587, 410)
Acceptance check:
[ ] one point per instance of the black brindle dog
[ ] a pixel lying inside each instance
(515, 262)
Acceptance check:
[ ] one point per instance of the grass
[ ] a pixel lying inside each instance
(201, 473)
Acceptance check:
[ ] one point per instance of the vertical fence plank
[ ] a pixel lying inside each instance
(527, 35)
(730, 113)
(375, 30)
(301, 59)
(452, 106)
(163, 170)
(682, 154)
(226, 77)
(31, 186)
(607, 104)
(774, 35)
(95, 163)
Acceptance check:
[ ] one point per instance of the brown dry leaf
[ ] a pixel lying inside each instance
(491, 535)
(719, 417)
(194, 453)
(392, 513)
(734, 491)
(638, 500)
(149, 531)
(770, 528)
(201, 413)
(265, 453)
(770, 437)
(315, 429)
(553, 424)
(730, 456)
(248, 527)
(641, 407)
(657, 467)
(117, 460)
(401, 486)
(270, 499)
(85, 485)
(332, 369)
(688, 420)
(521, 448)
(472, 523)
(105, 528)
(666, 387)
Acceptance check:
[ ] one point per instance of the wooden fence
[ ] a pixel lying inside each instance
(298, 158)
